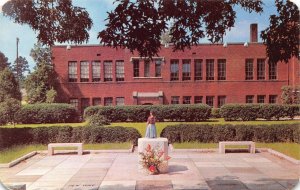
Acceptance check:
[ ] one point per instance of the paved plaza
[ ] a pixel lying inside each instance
(187, 170)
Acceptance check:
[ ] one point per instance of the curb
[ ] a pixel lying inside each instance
(18, 160)
(280, 155)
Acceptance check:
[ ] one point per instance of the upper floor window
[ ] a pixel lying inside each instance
(175, 100)
(273, 71)
(186, 100)
(198, 69)
(221, 101)
(210, 101)
(209, 69)
(198, 99)
(249, 99)
(261, 99)
(158, 63)
(146, 68)
(136, 68)
(96, 101)
(108, 71)
(85, 102)
(108, 101)
(222, 69)
(186, 69)
(120, 101)
(249, 69)
(96, 70)
(174, 70)
(120, 74)
(261, 69)
(72, 71)
(273, 99)
(84, 71)
(74, 102)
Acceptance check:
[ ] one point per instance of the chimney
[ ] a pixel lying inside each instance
(253, 32)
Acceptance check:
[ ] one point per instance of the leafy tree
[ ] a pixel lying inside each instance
(41, 54)
(290, 95)
(9, 86)
(3, 61)
(282, 36)
(51, 95)
(19, 68)
(8, 108)
(53, 20)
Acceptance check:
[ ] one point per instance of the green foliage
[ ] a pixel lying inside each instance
(9, 87)
(215, 113)
(3, 61)
(198, 112)
(51, 95)
(19, 67)
(8, 108)
(47, 113)
(44, 135)
(216, 133)
(98, 120)
(41, 54)
(290, 95)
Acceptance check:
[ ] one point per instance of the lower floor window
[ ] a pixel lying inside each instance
(261, 99)
(210, 101)
(74, 102)
(249, 99)
(96, 101)
(221, 101)
(175, 100)
(85, 102)
(186, 100)
(108, 101)
(120, 101)
(198, 99)
(273, 99)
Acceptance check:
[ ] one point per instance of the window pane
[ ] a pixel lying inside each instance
(136, 68)
(85, 102)
(210, 101)
(249, 69)
(272, 71)
(174, 70)
(209, 69)
(261, 99)
(261, 69)
(96, 70)
(249, 99)
(74, 102)
(108, 101)
(96, 101)
(108, 71)
(198, 99)
(222, 69)
(146, 68)
(175, 100)
(120, 73)
(198, 69)
(273, 99)
(120, 101)
(221, 101)
(158, 63)
(84, 71)
(72, 71)
(186, 99)
(186, 70)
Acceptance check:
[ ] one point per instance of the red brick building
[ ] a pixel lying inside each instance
(214, 74)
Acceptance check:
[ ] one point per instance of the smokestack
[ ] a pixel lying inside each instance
(253, 32)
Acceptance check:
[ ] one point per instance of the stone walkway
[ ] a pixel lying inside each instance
(187, 170)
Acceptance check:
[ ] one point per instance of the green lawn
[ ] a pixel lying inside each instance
(290, 149)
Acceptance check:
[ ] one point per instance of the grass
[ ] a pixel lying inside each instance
(290, 149)
(10, 154)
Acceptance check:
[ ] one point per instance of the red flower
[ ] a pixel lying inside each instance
(148, 149)
(152, 168)
(160, 153)
(168, 158)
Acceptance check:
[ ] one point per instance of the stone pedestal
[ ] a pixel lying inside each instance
(157, 144)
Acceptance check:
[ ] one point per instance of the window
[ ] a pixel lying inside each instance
(249, 99)
(175, 100)
(209, 69)
(96, 101)
(221, 101)
(249, 69)
(186, 69)
(108, 71)
(198, 99)
(260, 69)
(261, 99)
(96, 70)
(272, 71)
(221, 69)
(146, 68)
(174, 70)
(120, 101)
(158, 63)
(186, 100)
(136, 68)
(85, 102)
(273, 99)
(72, 71)
(74, 102)
(84, 71)
(210, 101)
(198, 69)
(120, 71)
(108, 101)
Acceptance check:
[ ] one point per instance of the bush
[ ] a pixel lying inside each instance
(8, 108)
(215, 113)
(98, 120)
(198, 112)
(216, 133)
(47, 113)
(60, 134)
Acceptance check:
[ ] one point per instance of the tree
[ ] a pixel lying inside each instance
(3, 61)
(53, 20)
(8, 108)
(41, 54)
(282, 36)
(19, 68)
(9, 86)
(290, 95)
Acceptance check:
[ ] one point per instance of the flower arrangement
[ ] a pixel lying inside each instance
(152, 158)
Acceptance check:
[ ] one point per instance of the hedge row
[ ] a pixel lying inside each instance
(65, 134)
(47, 113)
(248, 112)
(198, 112)
(216, 133)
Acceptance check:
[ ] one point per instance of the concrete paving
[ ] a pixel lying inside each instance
(187, 170)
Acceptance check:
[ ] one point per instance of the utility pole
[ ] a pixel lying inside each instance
(17, 58)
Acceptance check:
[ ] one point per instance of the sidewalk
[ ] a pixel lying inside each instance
(187, 170)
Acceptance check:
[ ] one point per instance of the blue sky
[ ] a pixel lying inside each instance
(97, 9)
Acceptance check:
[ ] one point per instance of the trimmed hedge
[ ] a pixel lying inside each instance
(250, 112)
(216, 133)
(44, 135)
(47, 113)
(197, 112)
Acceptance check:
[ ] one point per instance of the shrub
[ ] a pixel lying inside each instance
(8, 108)
(197, 112)
(47, 113)
(215, 113)
(216, 133)
(44, 135)
(98, 120)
